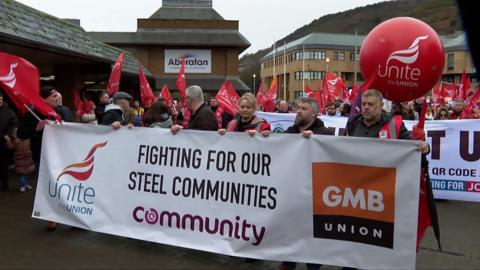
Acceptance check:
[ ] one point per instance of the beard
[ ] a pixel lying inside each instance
(300, 121)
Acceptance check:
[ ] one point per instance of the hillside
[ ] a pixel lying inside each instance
(442, 15)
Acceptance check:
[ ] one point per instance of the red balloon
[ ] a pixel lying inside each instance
(407, 56)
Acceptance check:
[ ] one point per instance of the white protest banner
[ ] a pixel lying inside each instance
(278, 198)
(454, 158)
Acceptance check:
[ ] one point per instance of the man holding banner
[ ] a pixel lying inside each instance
(374, 123)
(202, 117)
(306, 123)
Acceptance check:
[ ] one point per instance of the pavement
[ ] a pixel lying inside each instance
(25, 243)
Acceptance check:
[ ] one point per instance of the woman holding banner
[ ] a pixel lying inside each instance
(246, 120)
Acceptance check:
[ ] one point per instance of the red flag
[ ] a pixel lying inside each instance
(228, 98)
(357, 106)
(437, 91)
(167, 97)
(165, 94)
(472, 101)
(448, 89)
(21, 82)
(464, 88)
(114, 81)
(78, 103)
(146, 93)
(218, 115)
(320, 99)
(271, 96)
(260, 95)
(333, 85)
(310, 93)
(181, 83)
(424, 215)
(353, 94)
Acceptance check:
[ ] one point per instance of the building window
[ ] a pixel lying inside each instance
(450, 61)
(342, 56)
(299, 56)
(299, 75)
(322, 75)
(298, 94)
(323, 55)
(352, 56)
(335, 56)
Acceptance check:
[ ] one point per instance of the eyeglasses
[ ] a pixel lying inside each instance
(444, 115)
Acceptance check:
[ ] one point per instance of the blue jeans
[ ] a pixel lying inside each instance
(23, 180)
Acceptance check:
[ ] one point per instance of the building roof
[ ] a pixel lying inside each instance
(187, 10)
(202, 37)
(320, 41)
(211, 83)
(455, 42)
(21, 23)
(186, 13)
(327, 41)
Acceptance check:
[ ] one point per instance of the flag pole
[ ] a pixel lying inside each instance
(284, 70)
(355, 61)
(303, 70)
(32, 112)
(274, 58)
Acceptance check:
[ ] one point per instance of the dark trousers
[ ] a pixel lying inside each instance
(293, 265)
(4, 162)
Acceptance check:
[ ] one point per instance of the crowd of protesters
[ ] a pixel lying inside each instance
(117, 111)
(21, 138)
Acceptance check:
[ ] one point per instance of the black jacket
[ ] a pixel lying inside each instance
(26, 130)
(203, 119)
(65, 113)
(8, 122)
(112, 114)
(317, 127)
(359, 129)
(99, 111)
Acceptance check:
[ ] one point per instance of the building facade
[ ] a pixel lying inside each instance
(306, 61)
(192, 28)
(64, 54)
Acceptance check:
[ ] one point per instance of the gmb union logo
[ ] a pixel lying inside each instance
(10, 80)
(354, 203)
(77, 197)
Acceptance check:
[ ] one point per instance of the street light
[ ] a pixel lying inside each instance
(328, 61)
(254, 76)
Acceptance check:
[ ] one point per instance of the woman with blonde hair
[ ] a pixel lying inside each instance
(246, 120)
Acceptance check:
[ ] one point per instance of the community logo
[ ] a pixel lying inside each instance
(10, 80)
(354, 203)
(404, 75)
(78, 197)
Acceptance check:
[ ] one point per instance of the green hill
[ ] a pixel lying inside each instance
(442, 15)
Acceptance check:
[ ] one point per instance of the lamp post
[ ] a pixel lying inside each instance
(328, 61)
(254, 76)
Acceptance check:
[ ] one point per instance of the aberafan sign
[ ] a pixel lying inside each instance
(197, 61)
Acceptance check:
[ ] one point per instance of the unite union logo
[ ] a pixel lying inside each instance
(404, 74)
(10, 80)
(333, 82)
(76, 198)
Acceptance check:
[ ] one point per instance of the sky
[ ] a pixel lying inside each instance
(261, 21)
